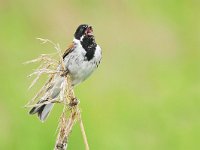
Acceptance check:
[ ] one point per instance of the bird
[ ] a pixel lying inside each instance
(80, 60)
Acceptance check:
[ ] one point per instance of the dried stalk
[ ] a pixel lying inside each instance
(49, 66)
(83, 133)
(66, 125)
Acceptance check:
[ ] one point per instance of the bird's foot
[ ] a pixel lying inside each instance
(74, 102)
(64, 73)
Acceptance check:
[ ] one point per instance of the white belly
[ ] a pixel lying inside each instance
(80, 72)
(79, 67)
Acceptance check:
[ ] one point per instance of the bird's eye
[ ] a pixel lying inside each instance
(80, 31)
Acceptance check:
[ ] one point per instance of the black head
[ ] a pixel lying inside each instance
(83, 30)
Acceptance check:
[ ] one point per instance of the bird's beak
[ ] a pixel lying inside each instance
(89, 31)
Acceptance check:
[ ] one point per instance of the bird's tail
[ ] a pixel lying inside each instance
(42, 110)
(52, 93)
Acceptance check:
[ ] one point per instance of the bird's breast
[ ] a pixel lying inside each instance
(79, 67)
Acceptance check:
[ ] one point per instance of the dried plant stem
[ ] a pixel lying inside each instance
(64, 131)
(83, 133)
(66, 125)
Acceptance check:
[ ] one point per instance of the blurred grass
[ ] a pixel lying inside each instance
(145, 94)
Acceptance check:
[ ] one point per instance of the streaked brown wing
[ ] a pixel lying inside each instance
(69, 50)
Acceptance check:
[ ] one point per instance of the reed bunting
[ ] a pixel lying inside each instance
(80, 59)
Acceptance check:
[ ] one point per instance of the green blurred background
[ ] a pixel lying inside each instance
(145, 94)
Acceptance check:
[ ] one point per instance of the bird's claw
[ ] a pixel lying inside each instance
(64, 73)
(74, 102)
